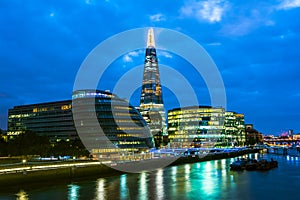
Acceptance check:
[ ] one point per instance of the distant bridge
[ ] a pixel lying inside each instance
(288, 141)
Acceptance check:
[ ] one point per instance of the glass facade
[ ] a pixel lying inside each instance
(52, 119)
(195, 126)
(151, 102)
(119, 129)
(234, 128)
(204, 126)
(125, 130)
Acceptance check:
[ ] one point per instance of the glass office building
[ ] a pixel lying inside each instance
(204, 126)
(234, 128)
(109, 126)
(125, 132)
(53, 119)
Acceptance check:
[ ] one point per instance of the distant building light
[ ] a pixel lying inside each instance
(66, 107)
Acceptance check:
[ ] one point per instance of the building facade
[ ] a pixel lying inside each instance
(151, 101)
(252, 135)
(205, 126)
(234, 129)
(53, 119)
(109, 126)
(195, 126)
(125, 132)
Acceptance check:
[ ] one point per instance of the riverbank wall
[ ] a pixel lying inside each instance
(24, 178)
(212, 156)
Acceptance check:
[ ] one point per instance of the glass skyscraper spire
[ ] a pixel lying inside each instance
(151, 103)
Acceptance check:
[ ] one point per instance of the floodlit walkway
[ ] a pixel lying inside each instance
(25, 168)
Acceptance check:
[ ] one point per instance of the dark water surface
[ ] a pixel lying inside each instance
(205, 180)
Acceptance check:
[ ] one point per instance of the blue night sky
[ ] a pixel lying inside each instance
(255, 45)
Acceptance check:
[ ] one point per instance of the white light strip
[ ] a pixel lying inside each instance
(44, 167)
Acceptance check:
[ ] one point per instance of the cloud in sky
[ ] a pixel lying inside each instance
(245, 18)
(157, 17)
(165, 54)
(210, 10)
(289, 4)
(214, 44)
(129, 57)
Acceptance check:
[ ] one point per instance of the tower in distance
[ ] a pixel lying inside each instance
(151, 102)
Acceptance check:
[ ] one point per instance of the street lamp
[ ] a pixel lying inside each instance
(24, 161)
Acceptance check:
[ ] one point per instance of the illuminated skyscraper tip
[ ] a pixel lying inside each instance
(151, 41)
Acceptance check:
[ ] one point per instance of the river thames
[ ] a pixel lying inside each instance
(204, 180)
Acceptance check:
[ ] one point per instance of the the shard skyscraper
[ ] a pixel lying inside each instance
(151, 103)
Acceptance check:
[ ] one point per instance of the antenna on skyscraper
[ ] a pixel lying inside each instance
(150, 40)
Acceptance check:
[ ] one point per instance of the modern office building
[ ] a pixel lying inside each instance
(195, 126)
(109, 126)
(234, 128)
(151, 102)
(205, 126)
(124, 129)
(53, 119)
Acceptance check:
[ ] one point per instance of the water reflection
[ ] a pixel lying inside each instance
(22, 195)
(205, 180)
(174, 179)
(223, 169)
(123, 187)
(159, 184)
(174, 172)
(100, 190)
(293, 160)
(73, 192)
(208, 182)
(187, 171)
(143, 191)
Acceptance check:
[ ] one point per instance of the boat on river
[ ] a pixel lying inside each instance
(239, 164)
(253, 164)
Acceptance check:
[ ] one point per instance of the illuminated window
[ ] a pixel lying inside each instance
(39, 110)
(66, 107)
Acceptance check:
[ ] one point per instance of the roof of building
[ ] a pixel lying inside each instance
(190, 107)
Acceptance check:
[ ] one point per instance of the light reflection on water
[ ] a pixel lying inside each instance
(174, 179)
(208, 182)
(73, 192)
(123, 187)
(22, 195)
(159, 184)
(100, 191)
(205, 180)
(187, 172)
(143, 191)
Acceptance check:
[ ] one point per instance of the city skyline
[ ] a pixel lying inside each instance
(255, 52)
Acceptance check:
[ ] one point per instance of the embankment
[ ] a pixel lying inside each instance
(22, 178)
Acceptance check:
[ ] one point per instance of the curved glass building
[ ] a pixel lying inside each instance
(109, 126)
